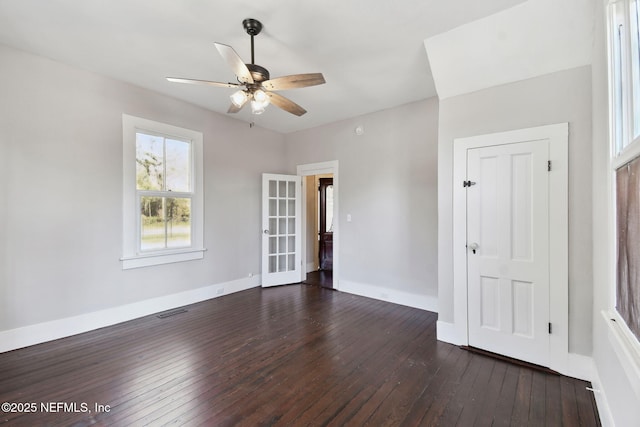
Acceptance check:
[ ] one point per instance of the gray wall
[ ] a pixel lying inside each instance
(387, 183)
(554, 98)
(61, 192)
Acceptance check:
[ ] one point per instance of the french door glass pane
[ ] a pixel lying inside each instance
(273, 189)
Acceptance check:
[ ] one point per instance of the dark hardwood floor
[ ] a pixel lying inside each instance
(322, 278)
(293, 355)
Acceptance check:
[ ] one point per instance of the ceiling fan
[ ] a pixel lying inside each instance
(254, 83)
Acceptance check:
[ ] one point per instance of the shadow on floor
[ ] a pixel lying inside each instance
(322, 278)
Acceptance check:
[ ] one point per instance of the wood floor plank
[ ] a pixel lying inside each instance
(290, 355)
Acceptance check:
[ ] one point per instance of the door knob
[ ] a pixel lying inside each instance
(266, 231)
(474, 246)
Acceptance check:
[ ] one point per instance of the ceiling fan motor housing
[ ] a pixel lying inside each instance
(258, 73)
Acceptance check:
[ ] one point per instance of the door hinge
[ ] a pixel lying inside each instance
(468, 183)
(549, 327)
(549, 165)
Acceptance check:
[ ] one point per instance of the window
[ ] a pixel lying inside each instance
(163, 196)
(624, 72)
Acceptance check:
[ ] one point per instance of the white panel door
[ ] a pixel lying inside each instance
(281, 215)
(508, 250)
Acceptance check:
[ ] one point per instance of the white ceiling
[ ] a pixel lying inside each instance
(372, 54)
(530, 39)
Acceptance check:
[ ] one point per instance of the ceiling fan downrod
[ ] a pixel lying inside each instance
(253, 28)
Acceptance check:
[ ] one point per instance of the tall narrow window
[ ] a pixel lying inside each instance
(163, 193)
(624, 66)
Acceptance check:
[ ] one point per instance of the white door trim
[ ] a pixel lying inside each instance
(557, 135)
(320, 169)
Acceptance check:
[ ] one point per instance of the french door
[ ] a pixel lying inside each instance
(281, 229)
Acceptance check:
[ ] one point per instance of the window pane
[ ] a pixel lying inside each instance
(634, 18)
(178, 162)
(628, 237)
(618, 95)
(164, 223)
(328, 227)
(149, 162)
(152, 231)
(178, 214)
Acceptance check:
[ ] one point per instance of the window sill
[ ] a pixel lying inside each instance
(626, 349)
(148, 260)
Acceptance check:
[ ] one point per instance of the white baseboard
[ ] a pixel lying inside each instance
(42, 332)
(572, 365)
(395, 296)
(604, 410)
(447, 332)
(578, 366)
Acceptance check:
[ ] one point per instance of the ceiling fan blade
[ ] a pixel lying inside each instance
(234, 109)
(238, 67)
(201, 82)
(294, 81)
(286, 104)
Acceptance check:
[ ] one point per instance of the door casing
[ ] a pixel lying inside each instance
(557, 135)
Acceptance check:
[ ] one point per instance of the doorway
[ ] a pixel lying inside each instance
(320, 224)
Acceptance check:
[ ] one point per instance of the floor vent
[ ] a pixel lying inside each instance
(172, 313)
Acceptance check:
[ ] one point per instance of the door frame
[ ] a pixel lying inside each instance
(321, 169)
(557, 135)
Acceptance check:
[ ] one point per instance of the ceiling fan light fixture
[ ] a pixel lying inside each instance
(260, 96)
(257, 107)
(239, 98)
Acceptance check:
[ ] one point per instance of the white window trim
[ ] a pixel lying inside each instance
(131, 256)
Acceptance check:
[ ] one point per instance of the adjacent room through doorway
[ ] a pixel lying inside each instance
(319, 229)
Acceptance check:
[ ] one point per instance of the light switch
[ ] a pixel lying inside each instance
(348, 217)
